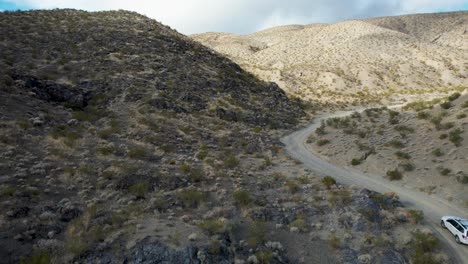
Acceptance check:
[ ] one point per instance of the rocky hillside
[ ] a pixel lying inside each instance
(356, 61)
(122, 141)
(423, 145)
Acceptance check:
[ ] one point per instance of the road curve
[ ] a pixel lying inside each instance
(433, 207)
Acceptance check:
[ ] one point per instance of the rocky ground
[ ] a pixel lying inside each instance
(355, 61)
(423, 145)
(124, 141)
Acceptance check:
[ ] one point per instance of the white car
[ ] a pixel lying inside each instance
(457, 226)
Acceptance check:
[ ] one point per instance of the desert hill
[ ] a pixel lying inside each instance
(356, 60)
(123, 141)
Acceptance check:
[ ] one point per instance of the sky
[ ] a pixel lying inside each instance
(246, 16)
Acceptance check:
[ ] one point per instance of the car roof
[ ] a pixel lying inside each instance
(464, 222)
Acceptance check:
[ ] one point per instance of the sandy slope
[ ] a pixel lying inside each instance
(433, 207)
(355, 60)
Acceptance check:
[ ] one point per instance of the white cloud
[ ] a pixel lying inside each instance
(243, 16)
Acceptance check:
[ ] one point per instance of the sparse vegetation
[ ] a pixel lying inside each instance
(394, 175)
(328, 181)
(455, 137)
(422, 245)
(242, 197)
(256, 233)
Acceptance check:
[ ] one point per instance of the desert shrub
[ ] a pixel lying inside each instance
(423, 115)
(403, 128)
(107, 150)
(256, 233)
(463, 179)
(213, 226)
(203, 152)
(242, 197)
(416, 215)
(396, 143)
(320, 131)
(437, 152)
(81, 234)
(340, 197)
(300, 224)
(38, 257)
(190, 197)
(139, 189)
(264, 256)
(292, 186)
(422, 245)
(407, 166)
(465, 104)
(322, 142)
(138, 153)
(394, 175)
(107, 132)
(454, 96)
(461, 116)
(355, 162)
(68, 135)
(443, 136)
(328, 181)
(444, 171)
(231, 162)
(402, 155)
(334, 241)
(446, 105)
(455, 137)
(185, 168)
(197, 174)
(419, 105)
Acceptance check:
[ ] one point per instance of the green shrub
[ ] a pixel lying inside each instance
(231, 162)
(407, 166)
(455, 137)
(334, 241)
(213, 226)
(421, 246)
(139, 189)
(423, 115)
(322, 142)
(256, 233)
(437, 152)
(293, 187)
(38, 257)
(185, 168)
(465, 104)
(416, 215)
(355, 162)
(454, 97)
(396, 143)
(197, 174)
(461, 116)
(444, 171)
(138, 153)
(107, 150)
(402, 155)
(446, 105)
(264, 256)
(394, 175)
(242, 197)
(190, 197)
(106, 133)
(300, 224)
(328, 181)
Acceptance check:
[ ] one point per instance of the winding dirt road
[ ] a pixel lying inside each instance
(432, 207)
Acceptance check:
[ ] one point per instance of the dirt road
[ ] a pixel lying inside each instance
(432, 207)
